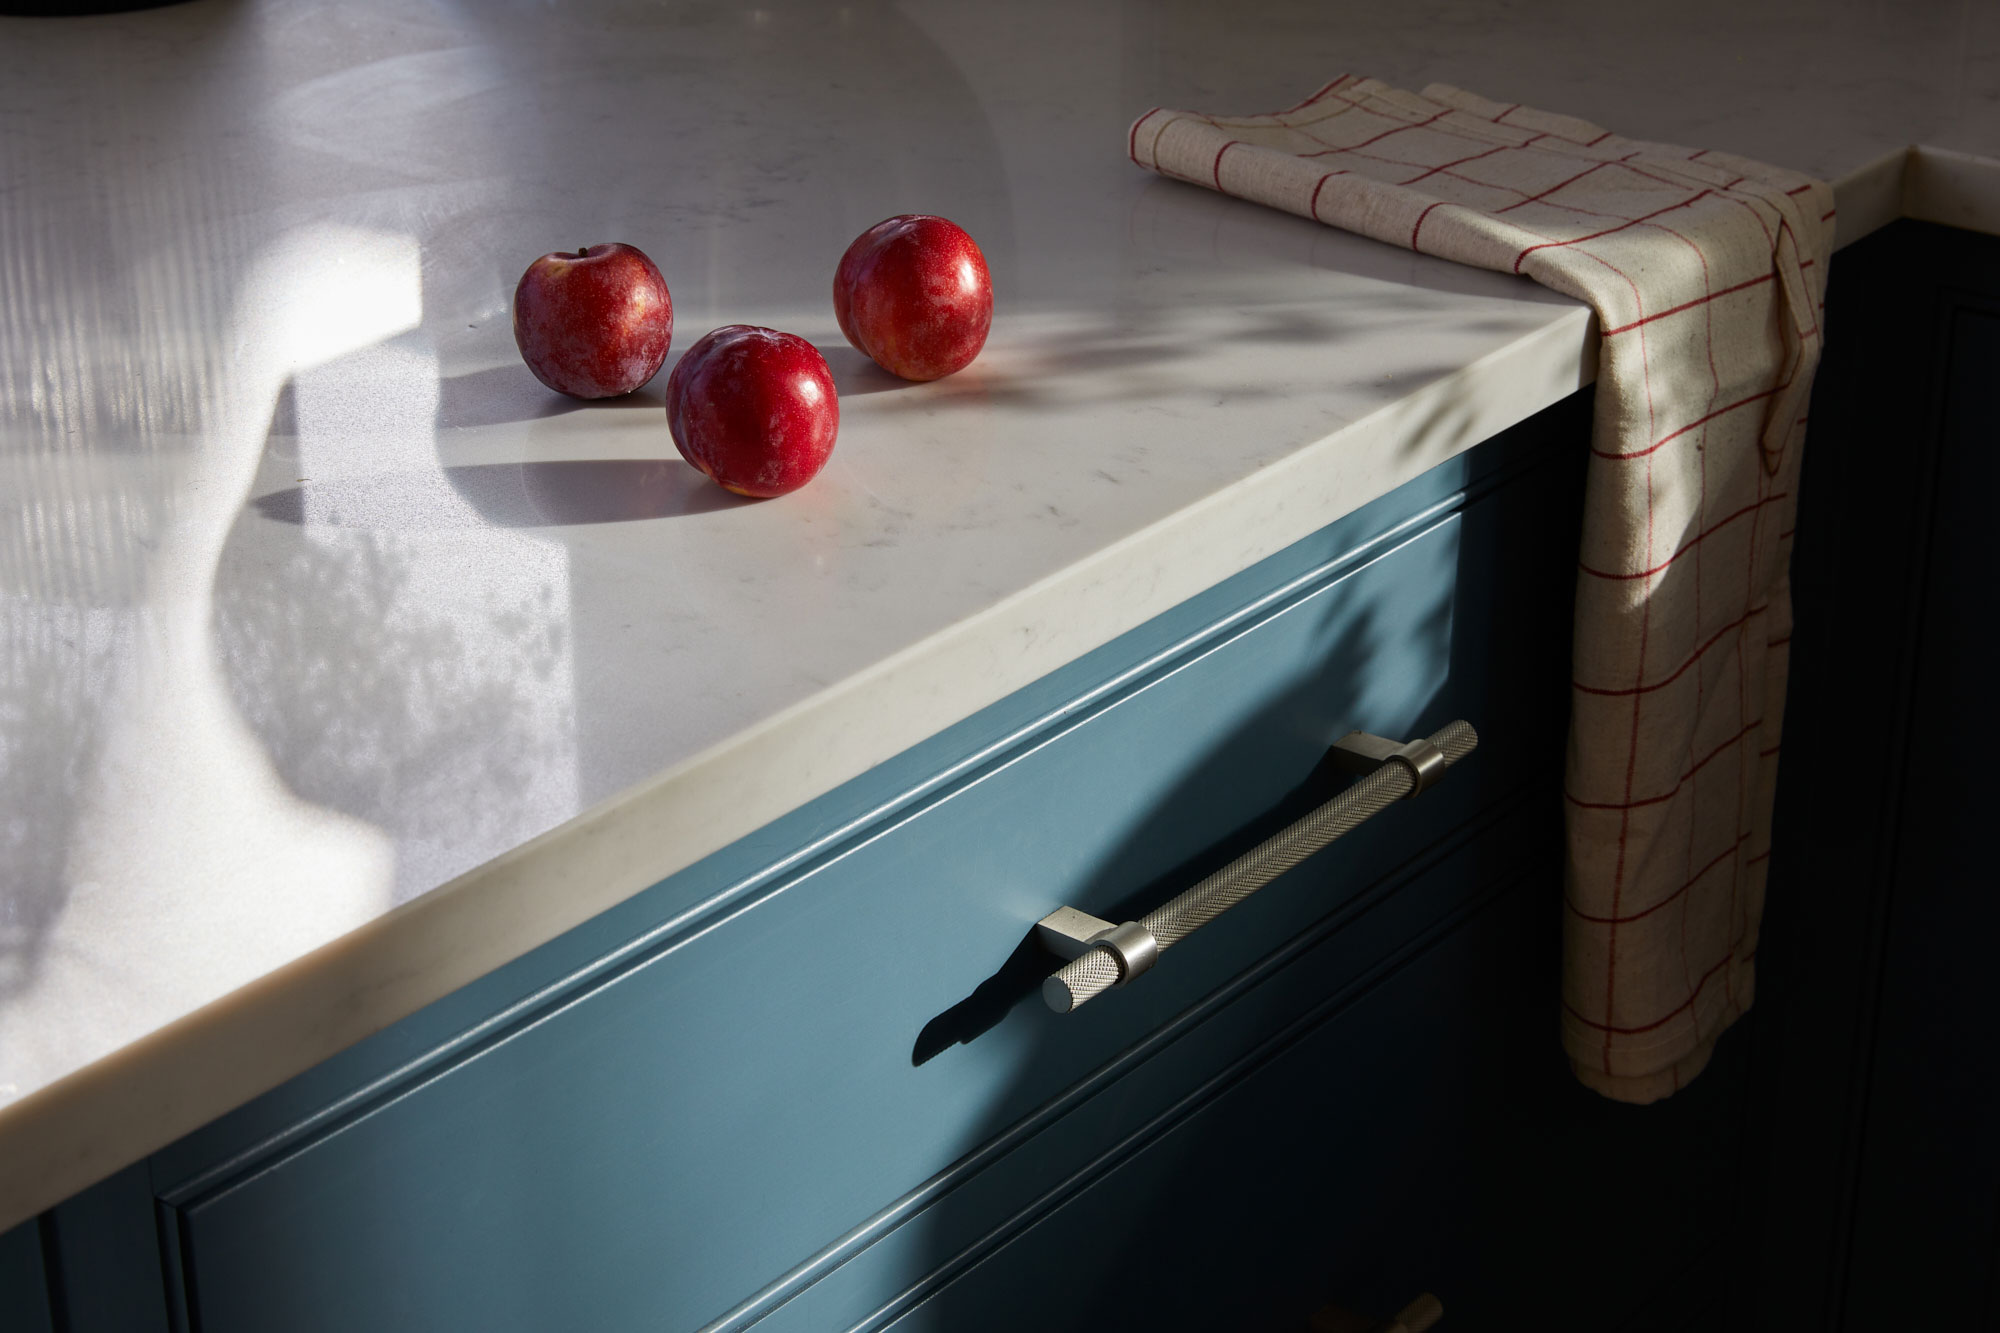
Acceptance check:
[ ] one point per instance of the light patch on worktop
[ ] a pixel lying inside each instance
(392, 627)
(189, 865)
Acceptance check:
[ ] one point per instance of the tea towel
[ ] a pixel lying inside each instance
(1707, 273)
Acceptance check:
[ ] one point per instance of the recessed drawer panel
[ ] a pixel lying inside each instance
(24, 1286)
(1417, 1131)
(660, 1146)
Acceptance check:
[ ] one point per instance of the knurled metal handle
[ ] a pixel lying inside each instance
(1102, 955)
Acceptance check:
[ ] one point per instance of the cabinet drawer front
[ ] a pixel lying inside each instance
(659, 1147)
(1418, 1131)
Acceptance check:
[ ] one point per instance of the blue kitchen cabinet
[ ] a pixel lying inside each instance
(90, 1265)
(808, 1082)
(24, 1279)
(1412, 1131)
(1878, 1099)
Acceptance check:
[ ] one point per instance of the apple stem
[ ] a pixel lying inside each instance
(583, 252)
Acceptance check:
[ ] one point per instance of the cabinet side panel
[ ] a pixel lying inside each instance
(24, 1284)
(1927, 1210)
(102, 1249)
(1877, 871)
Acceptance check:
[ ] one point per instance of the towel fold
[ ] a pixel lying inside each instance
(1707, 273)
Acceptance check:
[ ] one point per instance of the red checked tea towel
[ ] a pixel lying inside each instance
(1706, 273)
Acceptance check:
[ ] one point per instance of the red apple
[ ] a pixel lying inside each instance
(596, 323)
(754, 408)
(913, 293)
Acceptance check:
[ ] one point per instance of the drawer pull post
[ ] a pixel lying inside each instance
(1068, 933)
(1102, 955)
(1359, 752)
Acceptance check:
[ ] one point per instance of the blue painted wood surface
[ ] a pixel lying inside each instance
(1414, 1131)
(688, 1131)
(1877, 1199)
(24, 1281)
(102, 1261)
(1927, 1236)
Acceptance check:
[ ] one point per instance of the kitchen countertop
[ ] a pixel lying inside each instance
(346, 663)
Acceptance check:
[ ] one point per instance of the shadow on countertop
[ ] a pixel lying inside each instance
(545, 494)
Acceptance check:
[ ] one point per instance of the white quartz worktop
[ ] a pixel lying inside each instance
(343, 662)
